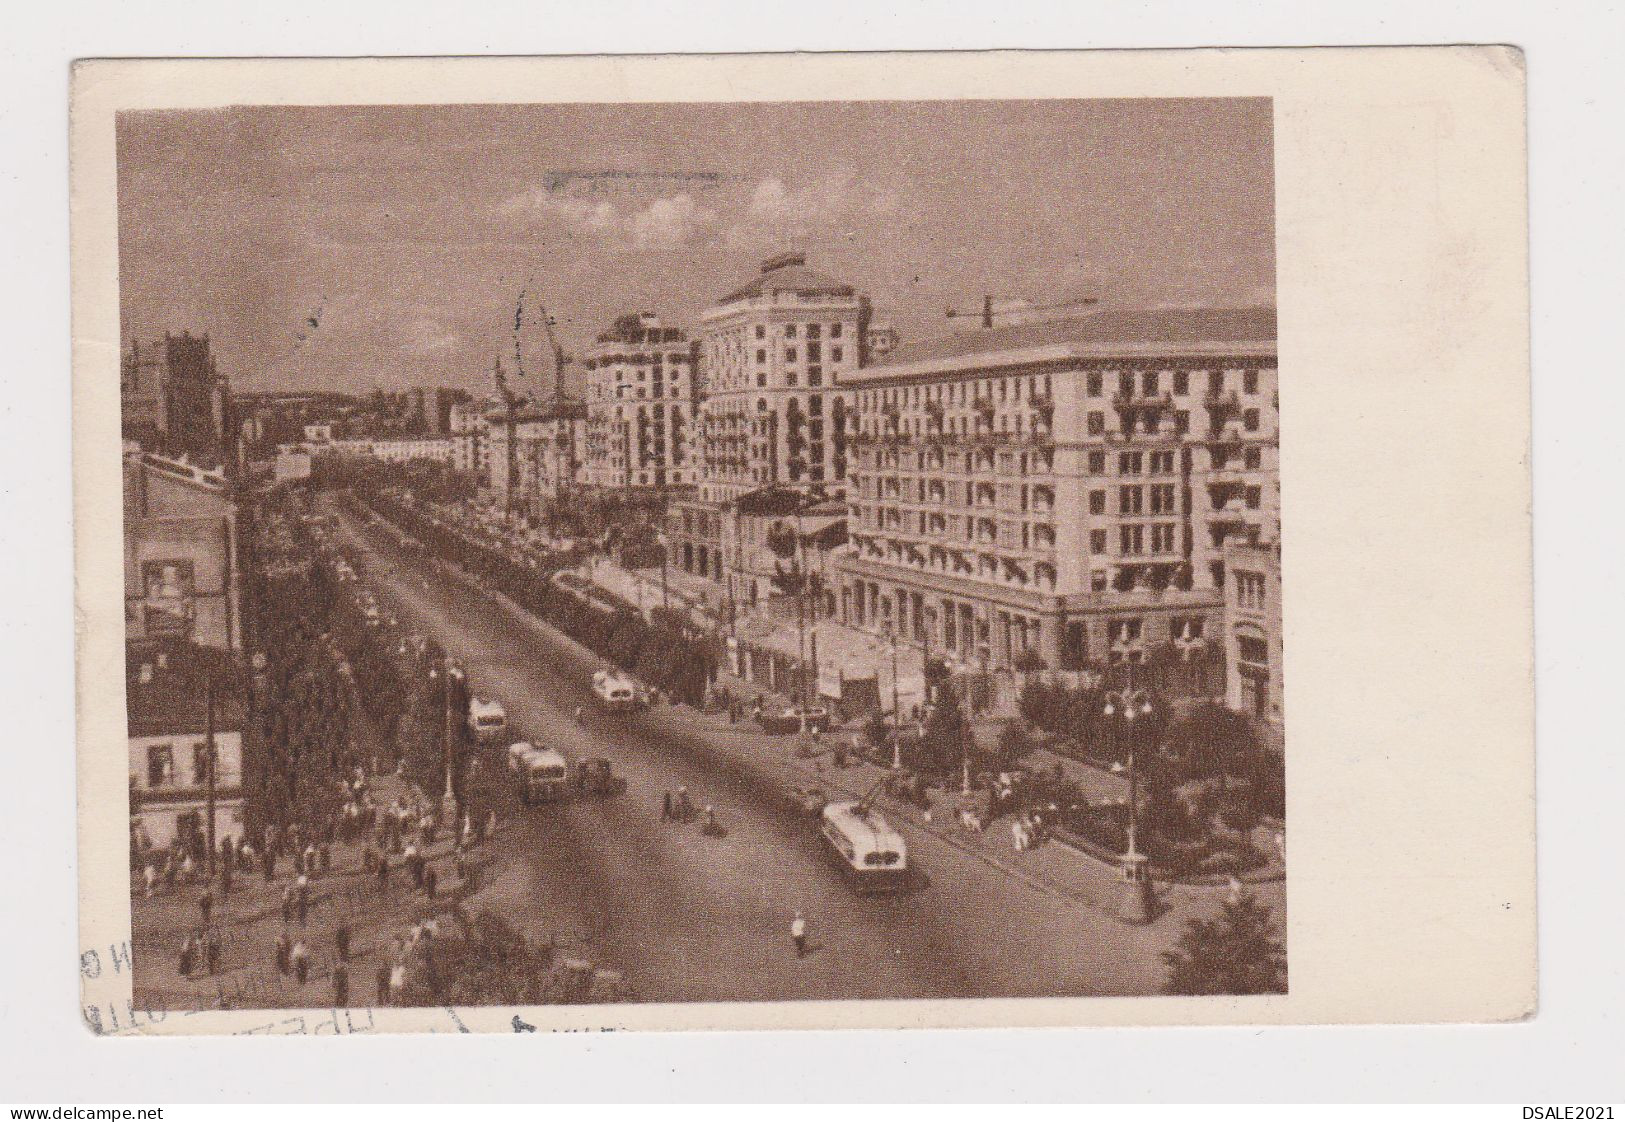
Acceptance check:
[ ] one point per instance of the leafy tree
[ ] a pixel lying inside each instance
(484, 960)
(1015, 742)
(1236, 952)
(943, 739)
(876, 730)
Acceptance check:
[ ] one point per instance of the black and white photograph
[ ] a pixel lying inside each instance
(583, 554)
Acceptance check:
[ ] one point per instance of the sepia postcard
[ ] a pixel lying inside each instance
(803, 541)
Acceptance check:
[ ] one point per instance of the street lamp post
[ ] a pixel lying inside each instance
(448, 799)
(896, 714)
(1129, 705)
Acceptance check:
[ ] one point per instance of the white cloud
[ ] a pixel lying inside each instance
(665, 221)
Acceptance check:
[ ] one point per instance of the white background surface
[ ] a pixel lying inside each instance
(1568, 1053)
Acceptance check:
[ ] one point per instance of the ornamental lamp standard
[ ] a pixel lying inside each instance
(896, 711)
(448, 800)
(1128, 706)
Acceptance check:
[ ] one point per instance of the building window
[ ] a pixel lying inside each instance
(789, 331)
(1182, 421)
(835, 353)
(1097, 541)
(1249, 381)
(1097, 423)
(1253, 458)
(160, 765)
(1097, 502)
(761, 355)
(789, 354)
(813, 330)
(1162, 537)
(1129, 500)
(1249, 589)
(1094, 383)
(200, 765)
(1148, 383)
(170, 591)
(834, 331)
(1255, 496)
(1182, 381)
(1097, 463)
(1129, 463)
(1162, 498)
(761, 331)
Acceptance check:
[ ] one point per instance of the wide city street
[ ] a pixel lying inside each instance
(689, 917)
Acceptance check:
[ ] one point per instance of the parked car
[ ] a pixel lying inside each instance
(815, 717)
(595, 779)
(810, 800)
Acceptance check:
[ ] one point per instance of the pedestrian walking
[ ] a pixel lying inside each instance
(325, 856)
(341, 986)
(188, 951)
(383, 873)
(151, 874)
(283, 950)
(205, 905)
(287, 903)
(665, 807)
(798, 934)
(341, 941)
(382, 981)
(301, 962)
(225, 876)
(301, 897)
(397, 981)
(430, 881)
(211, 950)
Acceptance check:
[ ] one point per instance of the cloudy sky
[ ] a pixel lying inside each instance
(353, 247)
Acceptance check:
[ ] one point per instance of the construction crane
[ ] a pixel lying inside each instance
(511, 398)
(988, 312)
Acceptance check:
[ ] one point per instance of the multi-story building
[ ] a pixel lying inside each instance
(1065, 488)
(471, 437)
(180, 553)
(175, 401)
(774, 352)
(550, 441)
(391, 450)
(178, 694)
(641, 395)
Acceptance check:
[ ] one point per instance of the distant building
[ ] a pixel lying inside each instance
(174, 401)
(641, 397)
(171, 689)
(1064, 488)
(391, 450)
(293, 463)
(550, 442)
(181, 578)
(471, 438)
(882, 339)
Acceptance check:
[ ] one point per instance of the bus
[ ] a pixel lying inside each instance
(487, 720)
(544, 777)
(870, 854)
